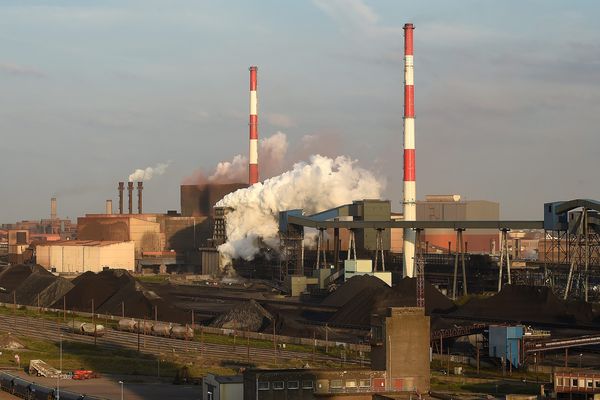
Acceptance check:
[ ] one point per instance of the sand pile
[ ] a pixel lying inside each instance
(248, 316)
(357, 286)
(521, 303)
(359, 309)
(9, 342)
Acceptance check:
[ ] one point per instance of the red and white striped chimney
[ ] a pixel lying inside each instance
(410, 190)
(253, 156)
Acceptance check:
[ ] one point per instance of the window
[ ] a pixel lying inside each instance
(336, 384)
(350, 384)
(597, 384)
(590, 383)
(293, 385)
(278, 385)
(307, 384)
(263, 385)
(574, 382)
(364, 383)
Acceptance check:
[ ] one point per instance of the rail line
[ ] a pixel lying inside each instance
(158, 346)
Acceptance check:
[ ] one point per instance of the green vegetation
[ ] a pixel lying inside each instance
(152, 278)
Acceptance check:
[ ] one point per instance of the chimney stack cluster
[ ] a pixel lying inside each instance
(130, 189)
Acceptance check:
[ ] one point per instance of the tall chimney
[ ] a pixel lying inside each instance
(121, 190)
(253, 156)
(130, 192)
(53, 208)
(410, 191)
(140, 186)
(108, 206)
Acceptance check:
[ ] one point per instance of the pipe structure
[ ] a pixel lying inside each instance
(53, 208)
(253, 154)
(121, 190)
(140, 187)
(410, 190)
(108, 207)
(130, 193)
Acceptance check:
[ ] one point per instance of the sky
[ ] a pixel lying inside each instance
(507, 95)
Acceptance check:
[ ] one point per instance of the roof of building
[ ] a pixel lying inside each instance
(88, 243)
(229, 378)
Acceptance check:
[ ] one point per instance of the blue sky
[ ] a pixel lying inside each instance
(507, 94)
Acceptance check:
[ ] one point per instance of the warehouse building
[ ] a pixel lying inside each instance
(77, 256)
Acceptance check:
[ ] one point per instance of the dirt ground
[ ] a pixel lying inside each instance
(108, 387)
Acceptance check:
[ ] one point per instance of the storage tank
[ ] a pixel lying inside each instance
(75, 326)
(182, 332)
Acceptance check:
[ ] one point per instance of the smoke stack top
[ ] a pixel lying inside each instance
(253, 176)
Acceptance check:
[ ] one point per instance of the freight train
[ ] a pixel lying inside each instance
(25, 389)
(156, 328)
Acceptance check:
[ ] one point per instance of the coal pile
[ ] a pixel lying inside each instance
(520, 303)
(357, 286)
(248, 316)
(358, 311)
(32, 285)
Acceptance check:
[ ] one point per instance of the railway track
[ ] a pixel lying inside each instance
(158, 346)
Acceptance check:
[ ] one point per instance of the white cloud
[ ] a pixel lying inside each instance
(20, 70)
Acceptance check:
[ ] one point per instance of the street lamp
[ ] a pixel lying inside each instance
(580, 355)
(121, 382)
(59, 371)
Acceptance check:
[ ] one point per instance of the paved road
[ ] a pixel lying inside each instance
(109, 388)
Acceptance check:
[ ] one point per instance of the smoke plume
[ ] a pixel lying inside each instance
(149, 172)
(315, 186)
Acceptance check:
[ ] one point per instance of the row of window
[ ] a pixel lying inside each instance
(578, 382)
(280, 385)
(308, 385)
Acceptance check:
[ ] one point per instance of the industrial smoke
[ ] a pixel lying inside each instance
(313, 186)
(147, 173)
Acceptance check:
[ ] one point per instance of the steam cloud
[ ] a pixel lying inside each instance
(315, 186)
(149, 172)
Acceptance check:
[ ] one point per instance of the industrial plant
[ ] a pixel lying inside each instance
(253, 291)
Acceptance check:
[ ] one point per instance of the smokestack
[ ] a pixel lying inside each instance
(109, 207)
(130, 192)
(121, 190)
(53, 208)
(140, 187)
(253, 156)
(410, 190)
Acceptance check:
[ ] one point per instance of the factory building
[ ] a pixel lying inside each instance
(399, 365)
(77, 256)
(453, 208)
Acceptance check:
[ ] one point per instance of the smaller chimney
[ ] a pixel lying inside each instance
(140, 187)
(121, 190)
(130, 192)
(108, 206)
(53, 208)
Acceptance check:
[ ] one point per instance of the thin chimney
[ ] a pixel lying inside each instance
(130, 192)
(53, 208)
(253, 156)
(121, 190)
(140, 187)
(108, 206)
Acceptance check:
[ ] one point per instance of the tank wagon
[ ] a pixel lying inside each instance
(156, 328)
(86, 328)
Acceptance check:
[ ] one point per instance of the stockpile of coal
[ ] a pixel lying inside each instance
(32, 285)
(521, 303)
(247, 316)
(358, 310)
(357, 286)
(114, 289)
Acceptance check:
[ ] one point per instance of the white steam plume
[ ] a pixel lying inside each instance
(149, 172)
(321, 184)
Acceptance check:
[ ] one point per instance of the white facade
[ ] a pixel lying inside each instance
(86, 255)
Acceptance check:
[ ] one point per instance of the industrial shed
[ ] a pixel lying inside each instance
(72, 256)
